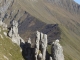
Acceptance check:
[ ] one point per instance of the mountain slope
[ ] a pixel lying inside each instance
(8, 49)
(69, 23)
(64, 13)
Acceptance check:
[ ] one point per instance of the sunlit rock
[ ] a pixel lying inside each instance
(57, 51)
(29, 41)
(13, 33)
(37, 45)
(44, 45)
(51, 58)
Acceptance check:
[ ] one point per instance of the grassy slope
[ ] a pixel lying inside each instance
(9, 49)
(70, 44)
(69, 24)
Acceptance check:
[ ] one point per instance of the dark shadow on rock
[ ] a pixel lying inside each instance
(27, 51)
(47, 55)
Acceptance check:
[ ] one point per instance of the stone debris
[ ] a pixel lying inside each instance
(5, 57)
(5, 33)
(1, 36)
(10, 54)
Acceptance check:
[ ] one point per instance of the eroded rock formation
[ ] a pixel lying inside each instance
(13, 33)
(57, 51)
(39, 52)
(43, 39)
(37, 45)
(44, 46)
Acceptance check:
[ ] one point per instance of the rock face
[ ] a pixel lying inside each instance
(43, 39)
(3, 10)
(37, 45)
(27, 51)
(13, 33)
(44, 45)
(39, 52)
(57, 51)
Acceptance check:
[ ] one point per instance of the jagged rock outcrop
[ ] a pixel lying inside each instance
(44, 45)
(57, 51)
(37, 45)
(13, 33)
(43, 39)
(40, 49)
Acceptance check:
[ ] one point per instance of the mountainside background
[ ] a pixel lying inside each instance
(60, 19)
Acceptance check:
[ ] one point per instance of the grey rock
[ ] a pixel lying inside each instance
(13, 34)
(57, 51)
(51, 58)
(29, 41)
(40, 56)
(37, 45)
(44, 45)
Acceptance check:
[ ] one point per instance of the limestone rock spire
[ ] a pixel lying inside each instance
(13, 33)
(37, 45)
(43, 45)
(57, 51)
(40, 48)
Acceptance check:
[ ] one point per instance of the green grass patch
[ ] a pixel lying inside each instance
(9, 49)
